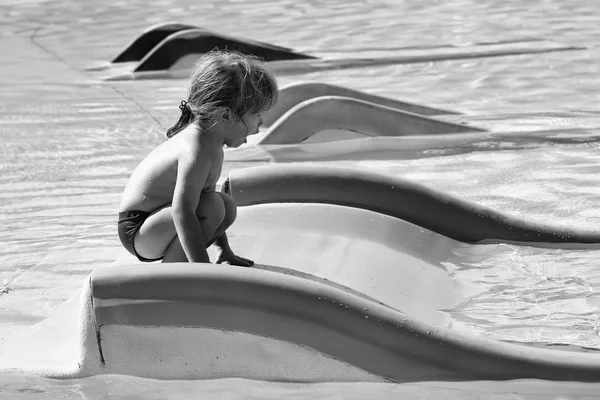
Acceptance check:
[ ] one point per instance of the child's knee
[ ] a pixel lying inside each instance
(211, 208)
(230, 208)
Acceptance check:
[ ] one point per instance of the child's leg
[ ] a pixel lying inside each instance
(226, 254)
(158, 237)
(230, 214)
(156, 234)
(210, 213)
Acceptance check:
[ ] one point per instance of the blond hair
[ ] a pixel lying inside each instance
(226, 79)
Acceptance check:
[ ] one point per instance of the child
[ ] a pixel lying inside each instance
(170, 209)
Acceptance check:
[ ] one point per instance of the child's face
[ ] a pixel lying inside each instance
(246, 126)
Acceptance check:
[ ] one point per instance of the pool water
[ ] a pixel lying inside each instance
(69, 140)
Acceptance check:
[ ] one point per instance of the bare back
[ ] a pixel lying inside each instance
(152, 184)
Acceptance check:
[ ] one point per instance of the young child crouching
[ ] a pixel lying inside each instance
(170, 209)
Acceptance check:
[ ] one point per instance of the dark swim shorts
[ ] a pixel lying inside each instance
(129, 223)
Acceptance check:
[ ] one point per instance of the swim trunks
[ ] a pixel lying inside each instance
(129, 223)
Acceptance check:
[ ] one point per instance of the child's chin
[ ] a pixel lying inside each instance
(236, 145)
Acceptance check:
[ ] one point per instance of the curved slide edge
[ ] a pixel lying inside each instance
(141, 45)
(439, 212)
(184, 321)
(152, 36)
(335, 112)
(295, 93)
(199, 41)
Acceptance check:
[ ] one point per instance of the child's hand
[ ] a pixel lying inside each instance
(232, 259)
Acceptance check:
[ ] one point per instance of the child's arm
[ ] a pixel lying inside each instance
(192, 171)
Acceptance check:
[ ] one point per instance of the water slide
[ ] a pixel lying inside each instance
(170, 50)
(350, 285)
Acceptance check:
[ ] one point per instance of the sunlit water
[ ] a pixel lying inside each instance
(69, 141)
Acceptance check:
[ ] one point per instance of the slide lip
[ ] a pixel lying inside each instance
(152, 36)
(348, 327)
(198, 41)
(443, 213)
(145, 42)
(328, 112)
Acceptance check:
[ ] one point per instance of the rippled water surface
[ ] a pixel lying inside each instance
(69, 140)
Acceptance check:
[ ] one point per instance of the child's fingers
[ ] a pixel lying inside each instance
(249, 262)
(237, 261)
(242, 262)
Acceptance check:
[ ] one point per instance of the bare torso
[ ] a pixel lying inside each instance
(152, 183)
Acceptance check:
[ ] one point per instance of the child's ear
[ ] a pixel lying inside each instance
(226, 114)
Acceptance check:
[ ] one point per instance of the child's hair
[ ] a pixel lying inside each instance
(226, 79)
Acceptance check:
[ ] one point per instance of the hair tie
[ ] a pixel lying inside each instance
(184, 107)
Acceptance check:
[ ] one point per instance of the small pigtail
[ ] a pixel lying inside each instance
(187, 117)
